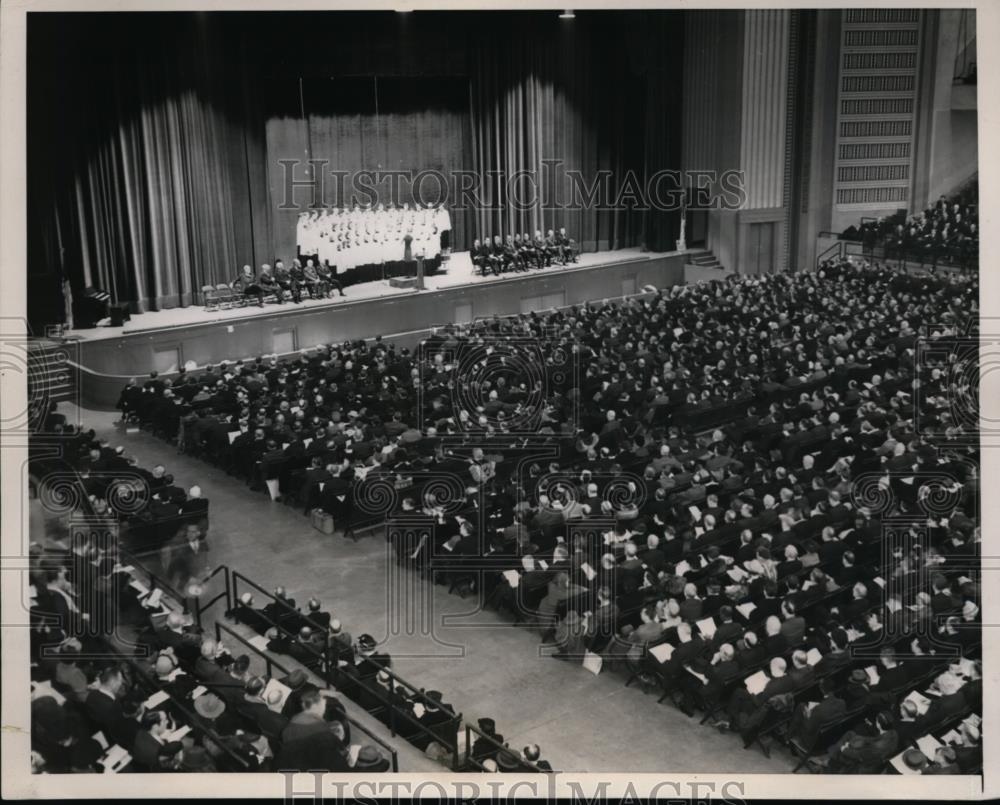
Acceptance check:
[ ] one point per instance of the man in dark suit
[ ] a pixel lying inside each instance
(652, 556)
(969, 754)
(710, 678)
(793, 627)
(195, 508)
(268, 721)
(801, 672)
(891, 674)
(316, 617)
(287, 282)
(810, 718)
(244, 612)
(743, 705)
(750, 652)
(552, 247)
(950, 703)
(479, 256)
(543, 252)
(603, 622)
(269, 285)
(838, 658)
(567, 246)
(497, 257)
(727, 631)
(528, 250)
(310, 742)
(865, 754)
(689, 647)
(104, 708)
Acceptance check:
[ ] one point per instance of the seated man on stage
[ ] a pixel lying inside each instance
(286, 281)
(552, 244)
(568, 246)
(479, 255)
(328, 276)
(511, 256)
(544, 254)
(528, 251)
(500, 260)
(246, 284)
(298, 277)
(311, 279)
(269, 284)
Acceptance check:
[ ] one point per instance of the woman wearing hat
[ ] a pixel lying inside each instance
(484, 747)
(213, 710)
(370, 759)
(370, 660)
(436, 717)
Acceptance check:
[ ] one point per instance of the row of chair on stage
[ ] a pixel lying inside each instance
(280, 285)
(521, 252)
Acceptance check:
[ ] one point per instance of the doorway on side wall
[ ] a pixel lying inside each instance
(760, 248)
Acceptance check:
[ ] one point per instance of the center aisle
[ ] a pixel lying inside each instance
(581, 722)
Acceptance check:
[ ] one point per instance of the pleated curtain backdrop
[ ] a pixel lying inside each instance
(579, 98)
(144, 189)
(154, 138)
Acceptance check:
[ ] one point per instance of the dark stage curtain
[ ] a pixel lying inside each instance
(595, 99)
(147, 179)
(155, 138)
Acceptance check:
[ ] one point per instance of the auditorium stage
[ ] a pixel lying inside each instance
(104, 358)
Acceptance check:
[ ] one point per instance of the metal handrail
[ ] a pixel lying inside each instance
(193, 720)
(155, 582)
(268, 659)
(827, 254)
(270, 663)
(330, 674)
(226, 593)
(236, 577)
(468, 759)
(377, 692)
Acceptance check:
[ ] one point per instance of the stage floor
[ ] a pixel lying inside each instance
(459, 272)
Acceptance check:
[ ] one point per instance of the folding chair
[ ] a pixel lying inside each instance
(209, 298)
(225, 296)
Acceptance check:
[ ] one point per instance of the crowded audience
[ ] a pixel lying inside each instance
(124, 679)
(945, 233)
(709, 523)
